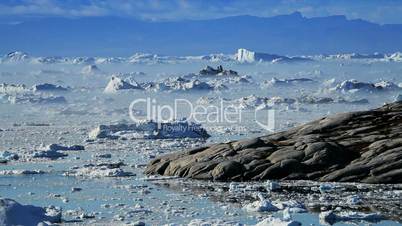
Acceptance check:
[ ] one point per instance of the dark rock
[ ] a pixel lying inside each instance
(363, 146)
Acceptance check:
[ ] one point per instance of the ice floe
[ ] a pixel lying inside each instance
(150, 130)
(14, 213)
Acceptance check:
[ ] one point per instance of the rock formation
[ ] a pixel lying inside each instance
(363, 146)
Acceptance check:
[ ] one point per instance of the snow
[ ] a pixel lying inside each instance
(115, 84)
(14, 213)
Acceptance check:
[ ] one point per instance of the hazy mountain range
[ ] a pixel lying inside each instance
(117, 36)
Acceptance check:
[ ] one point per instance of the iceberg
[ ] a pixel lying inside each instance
(247, 56)
(90, 70)
(15, 57)
(352, 86)
(150, 130)
(115, 84)
(183, 84)
(219, 71)
(285, 82)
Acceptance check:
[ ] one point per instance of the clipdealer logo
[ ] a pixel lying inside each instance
(224, 112)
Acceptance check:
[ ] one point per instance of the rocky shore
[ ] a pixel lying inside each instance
(363, 146)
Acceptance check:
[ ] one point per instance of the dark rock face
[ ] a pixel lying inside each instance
(361, 146)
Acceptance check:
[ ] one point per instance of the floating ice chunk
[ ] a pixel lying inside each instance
(12, 89)
(14, 213)
(8, 156)
(395, 57)
(150, 130)
(398, 97)
(273, 186)
(247, 56)
(48, 154)
(329, 217)
(115, 84)
(219, 71)
(182, 84)
(52, 151)
(98, 172)
(354, 200)
(261, 205)
(286, 82)
(256, 102)
(15, 57)
(90, 70)
(352, 86)
(272, 221)
(326, 188)
(21, 172)
(57, 147)
(36, 99)
(291, 206)
(212, 222)
(47, 87)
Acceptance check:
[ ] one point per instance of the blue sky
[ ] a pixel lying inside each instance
(379, 11)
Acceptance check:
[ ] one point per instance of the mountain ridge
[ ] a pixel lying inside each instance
(291, 34)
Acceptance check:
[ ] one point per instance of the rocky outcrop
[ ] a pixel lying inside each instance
(363, 146)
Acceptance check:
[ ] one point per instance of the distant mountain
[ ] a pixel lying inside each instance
(114, 36)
